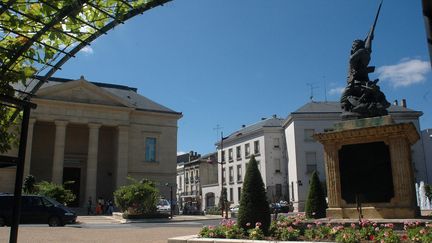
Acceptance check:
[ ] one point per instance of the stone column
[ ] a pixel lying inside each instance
(333, 175)
(29, 144)
(402, 179)
(122, 155)
(59, 147)
(92, 159)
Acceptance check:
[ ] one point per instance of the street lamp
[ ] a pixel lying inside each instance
(223, 195)
(171, 198)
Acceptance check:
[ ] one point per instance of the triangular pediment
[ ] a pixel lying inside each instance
(81, 91)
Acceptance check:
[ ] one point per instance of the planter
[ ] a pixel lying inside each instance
(196, 239)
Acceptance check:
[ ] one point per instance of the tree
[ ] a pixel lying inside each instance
(316, 204)
(254, 206)
(29, 184)
(140, 197)
(223, 200)
(55, 191)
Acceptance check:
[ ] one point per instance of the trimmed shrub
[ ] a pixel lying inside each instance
(138, 198)
(254, 207)
(55, 191)
(316, 204)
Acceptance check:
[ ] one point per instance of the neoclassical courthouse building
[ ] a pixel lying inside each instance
(97, 135)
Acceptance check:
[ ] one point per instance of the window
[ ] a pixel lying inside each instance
(150, 149)
(231, 194)
(230, 155)
(239, 193)
(223, 156)
(256, 147)
(278, 190)
(239, 173)
(311, 163)
(187, 178)
(223, 175)
(238, 153)
(308, 133)
(277, 165)
(247, 150)
(231, 174)
(192, 177)
(180, 183)
(196, 175)
(276, 143)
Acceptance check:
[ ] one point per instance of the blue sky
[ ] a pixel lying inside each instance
(233, 62)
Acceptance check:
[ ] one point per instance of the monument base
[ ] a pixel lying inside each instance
(372, 213)
(368, 164)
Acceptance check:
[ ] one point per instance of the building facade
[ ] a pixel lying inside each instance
(265, 140)
(97, 135)
(426, 138)
(193, 173)
(306, 155)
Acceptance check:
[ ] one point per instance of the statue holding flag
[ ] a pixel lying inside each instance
(362, 97)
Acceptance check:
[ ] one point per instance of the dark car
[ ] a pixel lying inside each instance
(36, 210)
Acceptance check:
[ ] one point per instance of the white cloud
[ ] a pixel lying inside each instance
(87, 50)
(336, 91)
(180, 153)
(407, 72)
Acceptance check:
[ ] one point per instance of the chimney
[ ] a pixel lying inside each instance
(243, 126)
(404, 103)
(274, 116)
(395, 102)
(263, 118)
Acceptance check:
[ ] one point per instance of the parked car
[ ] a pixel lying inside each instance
(36, 210)
(163, 206)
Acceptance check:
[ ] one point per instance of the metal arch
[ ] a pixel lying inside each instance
(109, 26)
(64, 12)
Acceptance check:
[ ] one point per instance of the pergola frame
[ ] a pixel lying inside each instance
(16, 59)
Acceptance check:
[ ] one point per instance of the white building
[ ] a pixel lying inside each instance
(426, 136)
(306, 155)
(264, 140)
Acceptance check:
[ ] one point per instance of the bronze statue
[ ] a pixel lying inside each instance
(363, 97)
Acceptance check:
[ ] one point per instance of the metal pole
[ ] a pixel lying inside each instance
(222, 177)
(171, 200)
(19, 175)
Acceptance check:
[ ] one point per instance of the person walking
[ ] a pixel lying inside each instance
(89, 206)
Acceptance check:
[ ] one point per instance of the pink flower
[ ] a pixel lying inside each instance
(248, 224)
(371, 237)
(257, 224)
(353, 225)
(309, 226)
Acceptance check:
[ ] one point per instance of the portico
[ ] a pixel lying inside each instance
(94, 135)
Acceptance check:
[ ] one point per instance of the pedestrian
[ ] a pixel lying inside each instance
(110, 208)
(89, 206)
(98, 208)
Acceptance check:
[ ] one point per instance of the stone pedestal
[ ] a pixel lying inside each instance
(368, 163)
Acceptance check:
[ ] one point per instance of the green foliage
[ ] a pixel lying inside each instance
(55, 191)
(348, 235)
(21, 58)
(137, 198)
(213, 211)
(316, 204)
(254, 207)
(226, 229)
(29, 184)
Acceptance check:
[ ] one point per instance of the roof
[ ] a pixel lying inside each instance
(129, 94)
(269, 122)
(334, 107)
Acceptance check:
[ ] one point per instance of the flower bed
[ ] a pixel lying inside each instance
(297, 228)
